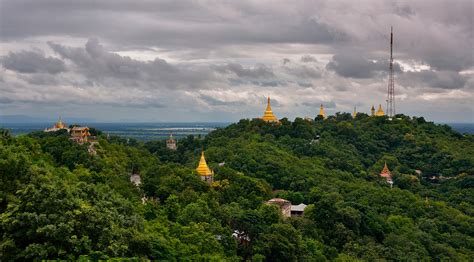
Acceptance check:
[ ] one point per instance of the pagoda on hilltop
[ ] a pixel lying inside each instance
(321, 111)
(59, 125)
(204, 171)
(171, 143)
(385, 173)
(379, 111)
(268, 116)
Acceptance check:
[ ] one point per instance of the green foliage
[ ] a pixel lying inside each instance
(59, 202)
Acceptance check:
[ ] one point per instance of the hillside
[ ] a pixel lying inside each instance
(58, 201)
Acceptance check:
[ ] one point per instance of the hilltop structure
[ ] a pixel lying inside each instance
(59, 125)
(380, 111)
(391, 82)
(354, 114)
(171, 143)
(385, 173)
(321, 111)
(80, 134)
(268, 115)
(204, 171)
(283, 204)
(286, 208)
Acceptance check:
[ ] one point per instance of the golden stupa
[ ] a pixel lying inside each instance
(354, 114)
(268, 115)
(321, 111)
(203, 169)
(380, 111)
(59, 124)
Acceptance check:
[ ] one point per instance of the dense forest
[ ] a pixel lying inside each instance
(57, 201)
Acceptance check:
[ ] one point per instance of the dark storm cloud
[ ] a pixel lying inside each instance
(429, 78)
(157, 52)
(355, 65)
(32, 62)
(105, 67)
(169, 23)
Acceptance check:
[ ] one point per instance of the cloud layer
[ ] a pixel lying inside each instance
(197, 61)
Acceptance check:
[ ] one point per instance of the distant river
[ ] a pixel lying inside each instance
(153, 131)
(140, 131)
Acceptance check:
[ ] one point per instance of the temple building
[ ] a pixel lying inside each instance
(57, 126)
(171, 143)
(80, 134)
(268, 116)
(380, 111)
(283, 204)
(286, 208)
(372, 111)
(298, 210)
(204, 171)
(321, 111)
(385, 173)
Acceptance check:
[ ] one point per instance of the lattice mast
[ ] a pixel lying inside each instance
(391, 82)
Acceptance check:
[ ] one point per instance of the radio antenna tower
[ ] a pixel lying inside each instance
(391, 82)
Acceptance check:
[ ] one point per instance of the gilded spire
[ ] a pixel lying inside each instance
(354, 114)
(203, 169)
(60, 123)
(321, 111)
(268, 115)
(385, 169)
(380, 111)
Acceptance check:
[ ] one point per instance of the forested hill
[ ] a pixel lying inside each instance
(59, 202)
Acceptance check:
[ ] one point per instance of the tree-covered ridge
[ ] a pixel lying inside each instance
(57, 201)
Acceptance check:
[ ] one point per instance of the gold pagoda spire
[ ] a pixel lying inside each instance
(354, 114)
(268, 115)
(203, 169)
(321, 111)
(380, 111)
(385, 169)
(59, 124)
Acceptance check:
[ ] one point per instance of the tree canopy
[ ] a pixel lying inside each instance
(59, 202)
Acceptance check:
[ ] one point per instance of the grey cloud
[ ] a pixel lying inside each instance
(216, 102)
(433, 79)
(107, 68)
(305, 84)
(258, 71)
(355, 65)
(305, 72)
(194, 35)
(425, 30)
(308, 59)
(32, 62)
(316, 104)
(40, 79)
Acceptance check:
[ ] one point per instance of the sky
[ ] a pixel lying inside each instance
(201, 61)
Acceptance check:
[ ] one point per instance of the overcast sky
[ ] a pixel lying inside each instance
(115, 60)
